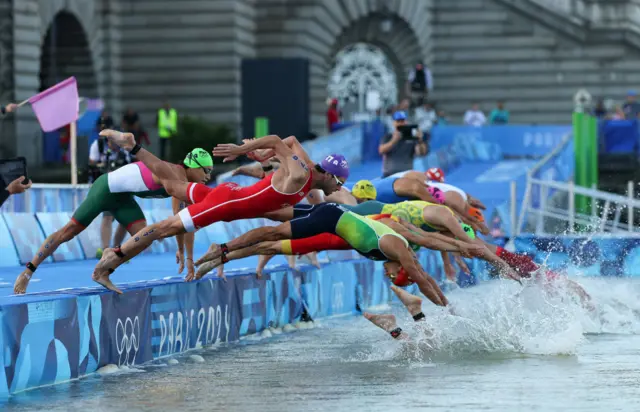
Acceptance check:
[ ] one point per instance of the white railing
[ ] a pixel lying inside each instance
(543, 170)
(605, 213)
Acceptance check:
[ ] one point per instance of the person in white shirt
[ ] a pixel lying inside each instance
(426, 117)
(474, 116)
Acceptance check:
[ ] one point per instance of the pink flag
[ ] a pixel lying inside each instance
(57, 106)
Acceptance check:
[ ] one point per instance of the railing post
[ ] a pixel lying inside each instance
(514, 208)
(525, 202)
(594, 202)
(572, 206)
(630, 210)
(27, 201)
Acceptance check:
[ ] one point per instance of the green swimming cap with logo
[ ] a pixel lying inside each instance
(468, 230)
(198, 158)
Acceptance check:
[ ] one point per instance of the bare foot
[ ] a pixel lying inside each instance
(411, 302)
(22, 281)
(104, 268)
(206, 268)
(213, 252)
(384, 322)
(124, 140)
(106, 282)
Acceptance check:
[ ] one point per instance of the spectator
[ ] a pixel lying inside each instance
(419, 84)
(426, 118)
(13, 188)
(499, 115)
(619, 113)
(398, 152)
(474, 116)
(333, 116)
(443, 120)
(167, 122)
(11, 107)
(131, 123)
(600, 111)
(404, 105)
(105, 121)
(631, 108)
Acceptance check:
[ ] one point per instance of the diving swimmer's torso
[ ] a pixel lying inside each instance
(364, 234)
(136, 179)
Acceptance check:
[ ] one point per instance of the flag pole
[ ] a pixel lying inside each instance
(73, 152)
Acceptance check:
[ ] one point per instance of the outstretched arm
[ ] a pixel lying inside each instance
(418, 239)
(475, 202)
(161, 170)
(252, 170)
(426, 283)
(467, 249)
(413, 189)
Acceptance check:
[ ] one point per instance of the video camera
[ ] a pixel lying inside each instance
(408, 131)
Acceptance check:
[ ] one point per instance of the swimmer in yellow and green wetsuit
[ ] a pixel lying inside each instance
(369, 237)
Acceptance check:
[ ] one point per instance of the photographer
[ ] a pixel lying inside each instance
(399, 148)
(13, 188)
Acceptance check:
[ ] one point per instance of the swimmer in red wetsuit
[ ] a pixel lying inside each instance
(285, 187)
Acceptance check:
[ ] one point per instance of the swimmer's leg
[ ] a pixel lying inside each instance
(388, 324)
(411, 302)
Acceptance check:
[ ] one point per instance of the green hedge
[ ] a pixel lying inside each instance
(194, 132)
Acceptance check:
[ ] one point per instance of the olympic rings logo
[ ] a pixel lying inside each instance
(127, 335)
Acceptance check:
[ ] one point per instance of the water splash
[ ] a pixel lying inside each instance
(506, 319)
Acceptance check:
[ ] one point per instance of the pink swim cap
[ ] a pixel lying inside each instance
(437, 194)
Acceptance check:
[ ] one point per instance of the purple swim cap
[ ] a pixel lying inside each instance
(437, 194)
(336, 165)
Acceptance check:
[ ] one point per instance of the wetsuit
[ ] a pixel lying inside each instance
(114, 193)
(384, 188)
(329, 222)
(229, 202)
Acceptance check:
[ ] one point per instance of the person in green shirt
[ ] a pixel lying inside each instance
(499, 115)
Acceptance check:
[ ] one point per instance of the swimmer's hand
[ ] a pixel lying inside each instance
(228, 151)
(124, 140)
(191, 269)
(261, 155)
(449, 271)
(471, 250)
(180, 261)
(462, 264)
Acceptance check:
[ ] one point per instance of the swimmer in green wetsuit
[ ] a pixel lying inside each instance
(369, 237)
(114, 192)
(428, 221)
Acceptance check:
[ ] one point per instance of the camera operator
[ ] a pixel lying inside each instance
(105, 157)
(399, 147)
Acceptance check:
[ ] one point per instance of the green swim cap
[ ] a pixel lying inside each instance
(468, 230)
(198, 158)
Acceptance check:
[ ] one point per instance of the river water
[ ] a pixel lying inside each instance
(511, 349)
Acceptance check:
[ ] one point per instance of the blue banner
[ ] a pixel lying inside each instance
(513, 140)
(125, 330)
(190, 315)
(619, 136)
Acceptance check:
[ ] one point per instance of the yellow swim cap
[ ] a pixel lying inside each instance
(364, 189)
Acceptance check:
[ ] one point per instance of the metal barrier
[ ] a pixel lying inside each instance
(62, 198)
(607, 209)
